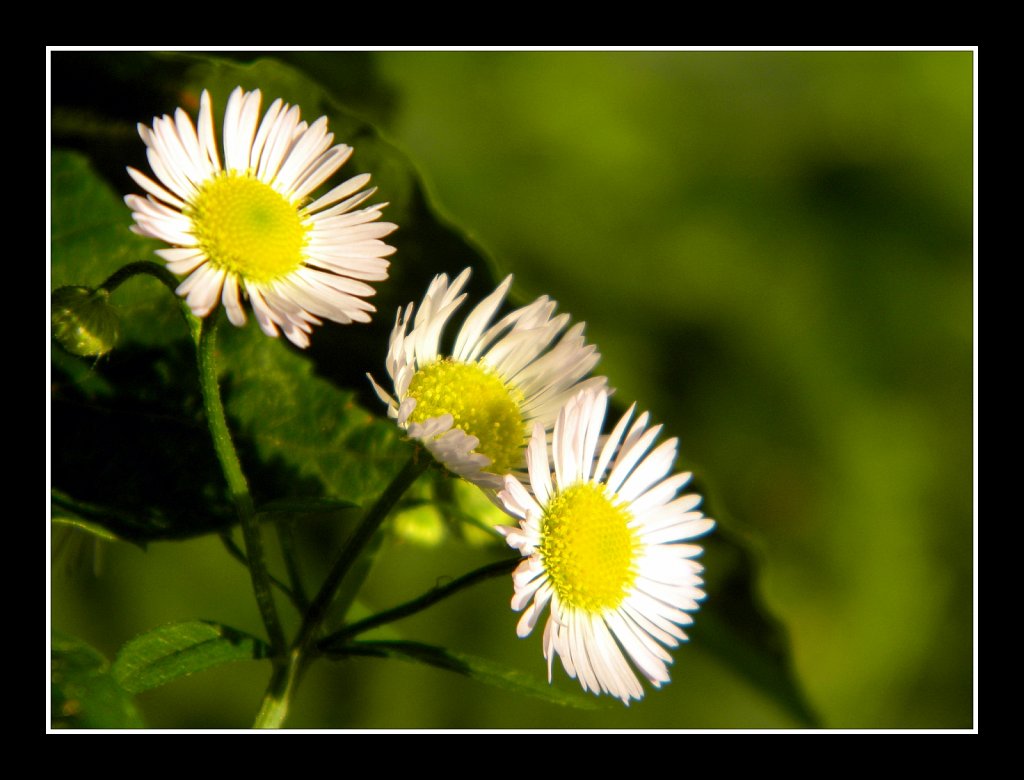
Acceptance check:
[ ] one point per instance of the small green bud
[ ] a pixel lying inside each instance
(83, 321)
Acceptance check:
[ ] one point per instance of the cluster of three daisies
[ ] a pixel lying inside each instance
(510, 407)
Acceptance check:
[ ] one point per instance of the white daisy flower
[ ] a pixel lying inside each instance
(245, 227)
(605, 548)
(475, 407)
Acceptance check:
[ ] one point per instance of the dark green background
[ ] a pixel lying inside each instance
(773, 252)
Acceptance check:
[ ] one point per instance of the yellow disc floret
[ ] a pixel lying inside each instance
(480, 403)
(247, 227)
(589, 550)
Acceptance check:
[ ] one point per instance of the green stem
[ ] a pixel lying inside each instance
(122, 275)
(376, 515)
(165, 277)
(274, 707)
(239, 555)
(286, 538)
(237, 485)
(496, 569)
(204, 334)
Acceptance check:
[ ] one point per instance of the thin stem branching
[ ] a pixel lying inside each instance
(441, 592)
(274, 708)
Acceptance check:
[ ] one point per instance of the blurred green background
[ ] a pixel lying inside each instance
(773, 252)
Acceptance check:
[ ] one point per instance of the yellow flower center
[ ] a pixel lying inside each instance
(588, 547)
(247, 227)
(481, 404)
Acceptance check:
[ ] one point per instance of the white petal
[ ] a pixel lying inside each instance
(611, 444)
(537, 463)
(207, 137)
(616, 676)
(259, 143)
(658, 495)
(592, 434)
(632, 450)
(321, 171)
(478, 319)
(343, 190)
(519, 502)
(277, 144)
(529, 619)
(205, 291)
(382, 394)
(264, 317)
(155, 189)
(184, 263)
(232, 304)
(240, 119)
(655, 466)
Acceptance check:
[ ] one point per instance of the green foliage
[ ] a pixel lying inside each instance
(83, 692)
(330, 447)
(306, 423)
(178, 650)
(66, 512)
(479, 669)
(131, 457)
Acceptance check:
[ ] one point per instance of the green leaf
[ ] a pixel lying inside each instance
(334, 449)
(478, 669)
(180, 649)
(131, 453)
(83, 693)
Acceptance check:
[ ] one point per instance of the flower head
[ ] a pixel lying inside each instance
(605, 547)
(246, 227)
(475, 407)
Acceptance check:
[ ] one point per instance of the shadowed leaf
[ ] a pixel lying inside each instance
(736, 626)
(478, 669)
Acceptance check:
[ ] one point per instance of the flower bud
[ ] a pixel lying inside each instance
(83, 321)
